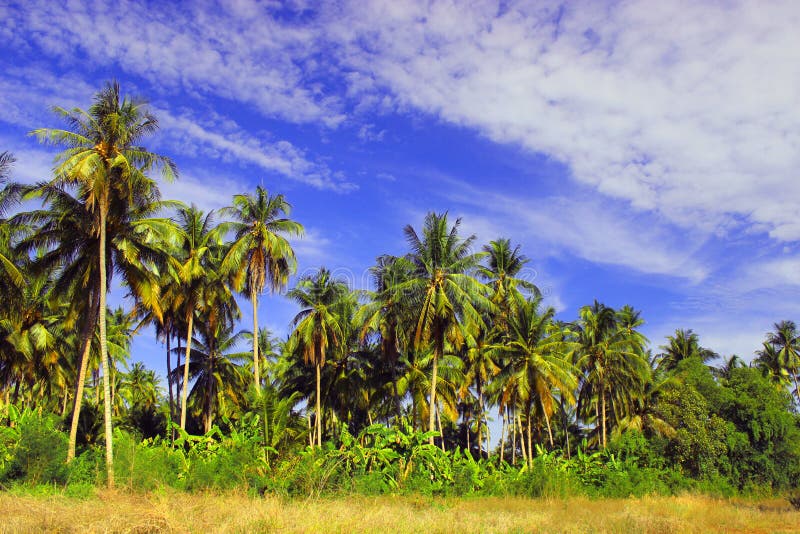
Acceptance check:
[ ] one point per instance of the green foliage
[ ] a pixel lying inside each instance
(34, 450)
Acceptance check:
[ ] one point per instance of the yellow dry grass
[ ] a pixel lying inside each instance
(180, 512)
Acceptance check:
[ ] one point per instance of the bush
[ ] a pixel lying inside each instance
(37, 452)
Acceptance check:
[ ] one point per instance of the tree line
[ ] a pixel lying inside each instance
(450, 337)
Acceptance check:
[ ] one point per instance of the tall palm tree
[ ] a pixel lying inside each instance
(539, 361)
(317, 327)
(66, 243)
(612, 360)
(386, 315)
(446, 301)
(102, 156)
(786, 340)
(260, 253)
(503, 265)
(196, 272)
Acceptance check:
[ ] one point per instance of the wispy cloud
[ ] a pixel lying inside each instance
(234, 144)
(689, 110)
(238, 51)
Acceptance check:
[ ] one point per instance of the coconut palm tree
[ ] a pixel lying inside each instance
(103, 158)
(66, 243)
(682, 345)
(317, 327)
(199, 283)
(444, 299)
(768, 361)
(611, 358)
(501, 270)
(539, 360)
(786, 340)
(260, 253)
(218, 371)
(139, 387)
(386, 315)
(8, 196)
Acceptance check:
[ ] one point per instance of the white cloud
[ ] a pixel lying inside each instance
(281, 157)
(688, 109)
(26, 96)
(242, 54)
(585, 227)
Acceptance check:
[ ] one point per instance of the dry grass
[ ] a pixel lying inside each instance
(180, 512)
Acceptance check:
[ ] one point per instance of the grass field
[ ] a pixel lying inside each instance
(180, 512)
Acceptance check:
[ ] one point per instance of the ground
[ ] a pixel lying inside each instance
(168, 511)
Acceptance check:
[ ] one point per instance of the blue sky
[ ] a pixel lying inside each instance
(642, 153)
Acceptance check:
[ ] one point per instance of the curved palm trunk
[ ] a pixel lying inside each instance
(104, 348)
(86, 336)
(319, 408)
(254, 300)
(185, 389)
(549, 429)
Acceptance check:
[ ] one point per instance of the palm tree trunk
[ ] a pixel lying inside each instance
(603, 400)
(503, 431)
(104, 347)
(513, 438)
(177, 381)
(86, 336)
(480, 417)
(522, 440)
(441, 430)
(254, 300)
(64, 400)
(169, 377)
(549, 430)
(432, 405)
(469, 449)
(530, 441)
(319, 409)
(185, 390)
(209, 397)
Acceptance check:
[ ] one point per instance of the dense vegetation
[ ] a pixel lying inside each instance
(386, 390)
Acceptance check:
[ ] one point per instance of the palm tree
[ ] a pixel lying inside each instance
(260, 253)
(786, 340)
(612, 360)
(445, 300)
(385, 314)
(727, 367)
(503, 265)
(66, 243)
(139, 387)
(768, 361)
(539, 361)
(8, 195)
(317, 327)
(199, 284)
(102, 157)
(217, 370)
(684, 344)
